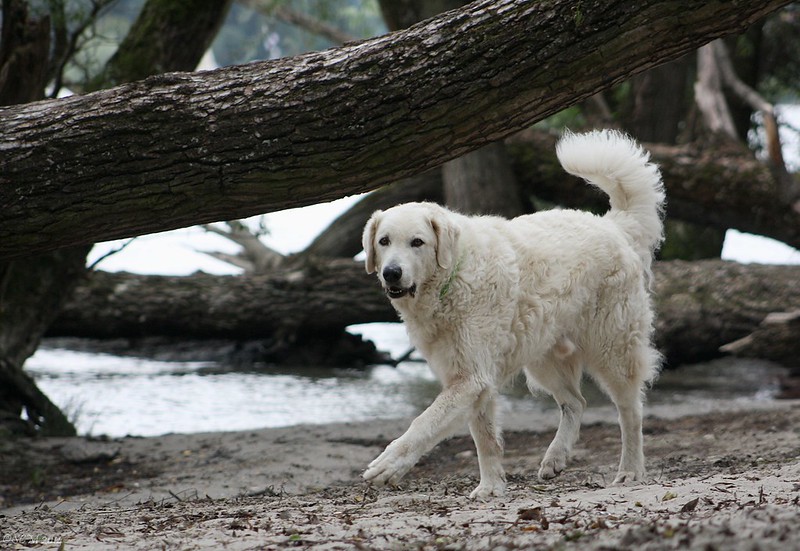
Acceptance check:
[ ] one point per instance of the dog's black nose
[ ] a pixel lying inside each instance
(392, 273)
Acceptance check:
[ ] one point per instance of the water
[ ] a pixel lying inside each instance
(118, 396)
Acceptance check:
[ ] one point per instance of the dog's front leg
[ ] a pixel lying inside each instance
(442, 417)
(489, 444)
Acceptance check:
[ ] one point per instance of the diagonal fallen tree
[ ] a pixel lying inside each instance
(181, 149)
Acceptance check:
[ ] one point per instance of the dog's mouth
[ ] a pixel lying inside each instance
(394, 292)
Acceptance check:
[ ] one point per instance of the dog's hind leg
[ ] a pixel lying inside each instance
(631, 463)
(560, 375)
(625, 388)
(489, 444)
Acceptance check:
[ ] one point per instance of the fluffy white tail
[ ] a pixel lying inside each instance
(622, 169)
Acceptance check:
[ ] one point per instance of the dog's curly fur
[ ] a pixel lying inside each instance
(553, 293)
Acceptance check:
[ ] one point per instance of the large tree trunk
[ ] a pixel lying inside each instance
(657, 106)
(167, 36)
(478, 182)
(33, 287)
(482, 182)
(182, 149)
(32, 291)
(24, 47)
(658, 102)
(701, 305)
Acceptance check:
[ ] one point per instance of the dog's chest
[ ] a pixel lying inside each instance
(428, 332)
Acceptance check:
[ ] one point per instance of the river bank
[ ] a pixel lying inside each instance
(727, 479)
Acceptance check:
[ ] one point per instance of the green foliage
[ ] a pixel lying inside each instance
(685, 241)
(248, 33)
(38, 477)
(578, 15)
(96, 36)
(251, 34)
(780, 60)
(572, 118)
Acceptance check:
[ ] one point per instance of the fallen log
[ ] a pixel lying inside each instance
(776, 338)
(321, 296)
(704, 305)
(701, 305)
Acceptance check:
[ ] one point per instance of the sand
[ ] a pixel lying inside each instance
(717, 480)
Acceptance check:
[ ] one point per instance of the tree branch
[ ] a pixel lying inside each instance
(709, 97)
(789, 187)
(301, 20)
(312, 25)
(255, 257)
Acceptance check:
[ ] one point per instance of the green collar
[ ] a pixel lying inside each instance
(448, 284)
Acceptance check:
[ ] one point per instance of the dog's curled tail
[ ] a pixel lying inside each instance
(622, 169)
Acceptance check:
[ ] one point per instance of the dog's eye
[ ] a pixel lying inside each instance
(417, 242)
(384, 241)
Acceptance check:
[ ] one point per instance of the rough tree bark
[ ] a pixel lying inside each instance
(697, 314)
(183, 149)
(33, 287)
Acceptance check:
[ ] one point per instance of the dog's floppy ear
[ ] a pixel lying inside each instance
(368, 241)
(446, 239)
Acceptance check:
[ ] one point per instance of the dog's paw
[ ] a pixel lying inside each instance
(389, 467)
(552, 465)
(625, 478)
(485, 491)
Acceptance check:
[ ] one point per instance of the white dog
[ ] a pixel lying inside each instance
(551, 293)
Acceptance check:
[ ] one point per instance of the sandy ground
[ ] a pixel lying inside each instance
(720, 480)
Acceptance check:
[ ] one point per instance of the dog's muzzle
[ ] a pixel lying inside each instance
(400, 292)
(392, 276)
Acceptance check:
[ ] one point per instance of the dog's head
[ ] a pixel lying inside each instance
(408, 244)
